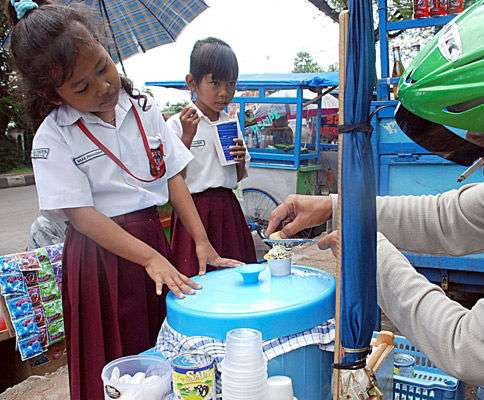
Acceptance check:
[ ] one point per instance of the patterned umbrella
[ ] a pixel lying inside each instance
(139, 25)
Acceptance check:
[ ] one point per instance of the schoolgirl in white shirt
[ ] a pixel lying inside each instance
(212, 80)
(103, 159)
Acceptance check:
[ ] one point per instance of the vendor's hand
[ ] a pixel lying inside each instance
(163, 273)
(207, 255)
(330, 241)
(299, 212)
(238, 150)
(189, 119)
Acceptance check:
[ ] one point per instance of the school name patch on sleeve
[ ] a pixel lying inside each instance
(40, 153)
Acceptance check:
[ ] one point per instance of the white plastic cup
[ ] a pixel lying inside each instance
(241, 392)
(280, 388)
(280, 267)
(234, 369)
(244, 336)
(243, 345)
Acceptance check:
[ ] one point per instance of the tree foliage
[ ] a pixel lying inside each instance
(174, 108)
(11, 111)
(304, 62)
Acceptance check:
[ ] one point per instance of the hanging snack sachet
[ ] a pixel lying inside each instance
(53, 310)
(30, 347)
(19, 307)
(13, 284)
(28, 261)
(9, 264)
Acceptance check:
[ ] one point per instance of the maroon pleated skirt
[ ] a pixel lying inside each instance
(226, 228)
(111, 308)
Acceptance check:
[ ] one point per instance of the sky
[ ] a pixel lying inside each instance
(265, 35)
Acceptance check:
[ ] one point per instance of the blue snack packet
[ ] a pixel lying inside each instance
(30, 347)
(25, 327)
(19, 307)
(9, 264)
(13, 284)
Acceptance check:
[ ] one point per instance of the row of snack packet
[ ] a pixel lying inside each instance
(30, 283)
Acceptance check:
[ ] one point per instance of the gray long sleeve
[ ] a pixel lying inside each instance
(451, 335)
(450, 223)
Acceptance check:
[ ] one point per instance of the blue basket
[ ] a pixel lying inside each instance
(429, 382)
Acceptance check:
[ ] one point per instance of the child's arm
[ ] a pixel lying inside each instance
(239, 152)
(182, 202)
(105, 232)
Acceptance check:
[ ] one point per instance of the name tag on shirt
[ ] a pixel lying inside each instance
(198, 143)
(84, 158)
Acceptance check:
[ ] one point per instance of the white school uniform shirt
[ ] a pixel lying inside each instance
(205, 170)
(71, 171)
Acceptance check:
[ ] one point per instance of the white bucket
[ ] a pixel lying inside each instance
(140, 377)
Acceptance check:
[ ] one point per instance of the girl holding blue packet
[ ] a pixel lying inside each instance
(104, 160)
(211, 176)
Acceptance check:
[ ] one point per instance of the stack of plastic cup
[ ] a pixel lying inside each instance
(244, 369)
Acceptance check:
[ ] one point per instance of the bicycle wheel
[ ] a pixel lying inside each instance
(258, 206)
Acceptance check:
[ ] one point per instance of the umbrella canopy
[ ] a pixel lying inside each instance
(139, 25)
(358, 210)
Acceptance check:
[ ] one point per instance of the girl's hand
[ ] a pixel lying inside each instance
(330, 241)
(163, 273)
(207, 255)
(189, 120)
(238, 150)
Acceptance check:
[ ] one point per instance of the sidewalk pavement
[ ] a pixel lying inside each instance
(8, 180)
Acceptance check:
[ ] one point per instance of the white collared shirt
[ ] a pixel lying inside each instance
(205, 170)
(71, 171)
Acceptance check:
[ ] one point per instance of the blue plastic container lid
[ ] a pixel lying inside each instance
(276, 306)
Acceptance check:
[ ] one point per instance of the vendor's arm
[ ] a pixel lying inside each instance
(449, 223)
(182, 202)
(451, 335)
(105, 232)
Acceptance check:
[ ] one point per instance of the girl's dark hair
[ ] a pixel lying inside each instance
(213, 56)
(45, 44)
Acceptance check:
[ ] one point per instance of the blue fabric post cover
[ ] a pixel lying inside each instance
(137, 26)
(358, 276)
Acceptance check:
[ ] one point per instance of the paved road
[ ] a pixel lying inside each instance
(18, 209)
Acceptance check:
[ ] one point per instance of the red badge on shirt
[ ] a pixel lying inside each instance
(158, 159)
